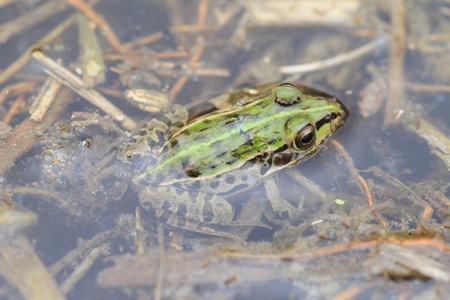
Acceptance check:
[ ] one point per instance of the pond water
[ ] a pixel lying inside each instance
(93, 207)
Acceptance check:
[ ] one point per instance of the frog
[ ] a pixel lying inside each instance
(190, 167)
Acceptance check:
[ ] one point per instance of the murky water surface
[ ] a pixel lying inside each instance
(367, 217)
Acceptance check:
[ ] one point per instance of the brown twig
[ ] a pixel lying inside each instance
(81, 270)
(159, 35)
(428, 87)
(24, 135)
(352, 168)
(202, 11)
(177, 88)
(74, 82)
(16, 89)
(395, 105)
(79, 251)
(162, 263)
(361, 180)
(29, 19)
(182, 80)
(101, 23)
(22, 268)
(13, 109)
(331, 62)
(23, 59)
(374, 207)
(44, 99)
(427, 209)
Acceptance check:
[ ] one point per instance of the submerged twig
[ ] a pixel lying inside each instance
(23, 59)
(438, 141)
(182, 80)
(97, 19)
(74, 254)
(29, 19)
(351, 166)
(14, 108)
(23, 269)
(417, 199)
(161, 265)
(412, 259)
(24, 135)
(16, 89)
(64, 204)
(428, 87)
(159, 35)
(74, 82)
(44, 99)
(332, 62)
(396, 104)
(83, 268)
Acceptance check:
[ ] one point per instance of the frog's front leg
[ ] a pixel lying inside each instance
(190, 210)
(280, 205)
(143, 142)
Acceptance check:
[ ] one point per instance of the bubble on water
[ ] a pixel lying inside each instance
(47, 156)
(133, 234)
(81, 129)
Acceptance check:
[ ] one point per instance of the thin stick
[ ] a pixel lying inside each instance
(44, 99)
(74, 82)
(22, 268)
(332, 62)
(24, 135)
(29, 19)
(354, 171)
(46, 193)
(427, 209)
(16, 89)
(23, 59)
(202, 11)
(162, 263)
(396, 102)
(159, 35)
(182, 80)
(82, 269)
(97, 19)
(428, 87)
(376, 207)
(82, 248)
(145, 40)
(13, 109)
(177, 88)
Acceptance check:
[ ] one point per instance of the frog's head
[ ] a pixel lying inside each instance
(313, 119)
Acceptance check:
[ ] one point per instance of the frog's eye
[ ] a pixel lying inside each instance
(288, 84)
(305, 137)
(287, 94)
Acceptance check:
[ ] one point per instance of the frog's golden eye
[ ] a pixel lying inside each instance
(305, 137)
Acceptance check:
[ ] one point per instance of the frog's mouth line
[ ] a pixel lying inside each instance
(344, 111)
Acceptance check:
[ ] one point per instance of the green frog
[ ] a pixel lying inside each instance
(188, 171)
